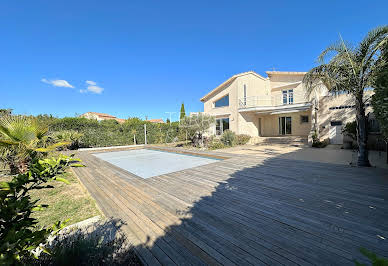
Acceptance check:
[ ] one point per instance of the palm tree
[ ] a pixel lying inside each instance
(21, 136)
(352, 70)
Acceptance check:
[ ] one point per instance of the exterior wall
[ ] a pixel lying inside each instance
(345, 115)
(283, 79)
(254, 85)
(268, 88)
(248, 123)
(270, 124)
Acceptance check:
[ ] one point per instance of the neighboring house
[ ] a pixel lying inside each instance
(277, 105)
(159, 120)
(101, 116)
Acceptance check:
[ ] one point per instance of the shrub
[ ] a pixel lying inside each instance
(111, 133)
(97, 244)
(19, 234)
(242, 139)
(228, 138)
(71, 136)
(350, 129)
(216, 144)
(374, 259)
(317, 143)
(21, 139)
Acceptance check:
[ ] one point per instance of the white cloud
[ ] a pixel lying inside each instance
(89, 82)
(58, 83)
(92, 87)
(83, 91)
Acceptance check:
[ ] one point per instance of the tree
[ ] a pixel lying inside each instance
(168, 121)
(352, 70)
(380, 98)
(196, 126)
(182, 112)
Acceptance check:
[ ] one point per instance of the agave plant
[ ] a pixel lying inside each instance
(20, 137)
(345, 68)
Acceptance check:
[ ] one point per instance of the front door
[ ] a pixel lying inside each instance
(285, 125)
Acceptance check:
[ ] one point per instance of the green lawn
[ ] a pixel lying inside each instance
(66, 201)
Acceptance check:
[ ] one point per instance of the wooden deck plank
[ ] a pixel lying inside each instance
(245, 210)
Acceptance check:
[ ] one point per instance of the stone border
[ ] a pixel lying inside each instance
(110, 147)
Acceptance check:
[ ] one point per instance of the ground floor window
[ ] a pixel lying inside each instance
(304, 118)
(222, 124)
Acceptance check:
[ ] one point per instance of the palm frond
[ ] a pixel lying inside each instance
(333, 50)
(373, 37)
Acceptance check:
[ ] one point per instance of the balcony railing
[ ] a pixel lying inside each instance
(263, 101)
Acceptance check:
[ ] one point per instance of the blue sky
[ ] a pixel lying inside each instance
(144, 58)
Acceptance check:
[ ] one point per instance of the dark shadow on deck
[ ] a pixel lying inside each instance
(277, 211)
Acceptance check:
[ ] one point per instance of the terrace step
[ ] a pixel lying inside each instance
(290, 140)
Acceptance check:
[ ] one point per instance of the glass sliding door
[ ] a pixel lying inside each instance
(285, 125)
(288, 125)
(222, 124)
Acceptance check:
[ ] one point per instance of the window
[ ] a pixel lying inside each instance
(284, 97)
(288, 96)
(304, 118)
(222, 124)
(224, 101)
(336, 123)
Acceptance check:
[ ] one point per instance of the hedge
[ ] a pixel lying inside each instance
(111, 133)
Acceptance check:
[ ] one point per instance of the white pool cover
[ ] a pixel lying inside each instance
(148, 163)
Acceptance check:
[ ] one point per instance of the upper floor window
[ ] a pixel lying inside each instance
(224, 101)
(288, 96)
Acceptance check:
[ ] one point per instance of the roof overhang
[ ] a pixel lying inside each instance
(269, 73)
(227, 82)
(271, 110)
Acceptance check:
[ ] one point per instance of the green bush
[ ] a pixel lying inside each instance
(97, 244)
(350, 129)
(19, 234)
(71, 136)
(242, 139)
(216, 144)
(228, 138)
(374, 259)
(111, 133)
(317, 143)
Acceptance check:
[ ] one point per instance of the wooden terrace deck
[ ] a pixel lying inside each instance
(246, 210)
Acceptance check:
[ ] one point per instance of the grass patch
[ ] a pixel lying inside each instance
(66, 201)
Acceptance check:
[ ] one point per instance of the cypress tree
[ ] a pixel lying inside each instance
(183, 112)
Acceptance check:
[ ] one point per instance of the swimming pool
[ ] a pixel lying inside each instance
(147, 163)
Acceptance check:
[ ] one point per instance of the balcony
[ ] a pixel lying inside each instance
(268, 104)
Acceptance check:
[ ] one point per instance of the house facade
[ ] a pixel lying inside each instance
(101, 116)
(277, 105)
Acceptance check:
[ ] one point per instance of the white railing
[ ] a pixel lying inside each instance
(258, 101)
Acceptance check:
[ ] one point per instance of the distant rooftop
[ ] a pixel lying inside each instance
(159, 120)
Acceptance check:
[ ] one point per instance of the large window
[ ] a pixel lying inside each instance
(222, 124)
(224, 101)
(288, 96)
